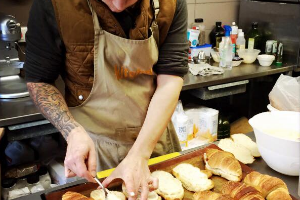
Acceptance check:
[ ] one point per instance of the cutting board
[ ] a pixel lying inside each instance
(195, 158)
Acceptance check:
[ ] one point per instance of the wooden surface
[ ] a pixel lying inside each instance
(195, 158)
(241, 125)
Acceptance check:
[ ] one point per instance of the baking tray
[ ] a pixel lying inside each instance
(195, 158)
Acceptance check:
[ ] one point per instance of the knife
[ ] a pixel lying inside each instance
(100, 184)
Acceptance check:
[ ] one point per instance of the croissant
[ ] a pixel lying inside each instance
(209, 195)
(74, 196)
(223, 163)
(241, 191)
(272, 188)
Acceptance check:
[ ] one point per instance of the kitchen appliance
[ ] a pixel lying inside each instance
(12, 85)
(278, 20)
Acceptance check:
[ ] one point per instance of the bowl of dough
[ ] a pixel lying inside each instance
(278, 140)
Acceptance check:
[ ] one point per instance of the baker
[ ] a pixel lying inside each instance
(122, 62)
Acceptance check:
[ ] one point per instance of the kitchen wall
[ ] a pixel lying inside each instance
(211, 11)
(18, 8)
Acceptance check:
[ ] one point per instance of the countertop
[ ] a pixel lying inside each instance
(258, 165)
(22, 110)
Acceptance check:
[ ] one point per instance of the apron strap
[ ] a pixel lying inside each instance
(156, 8)
(154, 25)
(97, 26)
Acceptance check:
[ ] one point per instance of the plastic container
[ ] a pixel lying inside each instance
(193, 36)
(198, 22)
(42, 145)
(194, 51)
(265, 60)
(278, 140)
(17, 152)
(234, 36)
(182, 126)
(241, 41)
(225, 49)
(249, 55)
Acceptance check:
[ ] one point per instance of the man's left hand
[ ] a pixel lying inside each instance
(135, 173)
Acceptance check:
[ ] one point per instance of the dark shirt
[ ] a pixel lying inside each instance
(45, 51)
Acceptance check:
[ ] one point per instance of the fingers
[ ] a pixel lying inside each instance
(75, 166)
(108, 180)
(131, 188)
(92, 162)
(69, 173)
(81, 170)
(145, 191)
(153, 183)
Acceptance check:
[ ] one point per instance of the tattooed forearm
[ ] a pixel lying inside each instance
(52, 105)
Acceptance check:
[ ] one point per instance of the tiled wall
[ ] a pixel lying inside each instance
(211, 11)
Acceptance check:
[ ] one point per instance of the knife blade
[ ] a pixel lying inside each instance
(100, 184)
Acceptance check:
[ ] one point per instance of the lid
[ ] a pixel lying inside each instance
(233, 24)
(227, 29)
(199, 20)
(43, 170)
(254, 24)
(9, 182)
(218, 23)
(201, 46)
(33, 178)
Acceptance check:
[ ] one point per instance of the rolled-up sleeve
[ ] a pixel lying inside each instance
(173, 54)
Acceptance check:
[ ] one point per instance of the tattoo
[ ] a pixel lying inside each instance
(52, 105)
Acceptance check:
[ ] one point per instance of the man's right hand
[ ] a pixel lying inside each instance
(81, 155)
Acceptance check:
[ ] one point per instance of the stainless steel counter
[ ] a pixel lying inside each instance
(23, 110)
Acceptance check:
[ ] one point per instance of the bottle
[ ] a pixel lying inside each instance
(223, 128)
(201, 27)
(254, 37)
(279, 54)
(17, 152)
(241, 42)
(234, 36)
(216, 35)
(225, 50)
(181, 127)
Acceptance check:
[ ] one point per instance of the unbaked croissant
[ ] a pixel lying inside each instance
(74, 196)
(272, 188)
(223, 163)
(209, 195)
(241, 191)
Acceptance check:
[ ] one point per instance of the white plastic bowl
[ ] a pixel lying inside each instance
(280, 152)
(271, 108)
(249, 55)
(265, 60)
(236, 63)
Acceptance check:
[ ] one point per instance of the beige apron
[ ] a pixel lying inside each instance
(123, 86)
